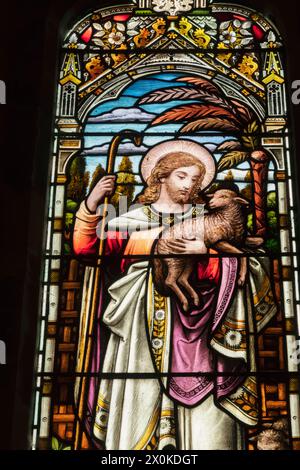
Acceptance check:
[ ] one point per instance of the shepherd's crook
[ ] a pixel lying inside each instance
(136, 137)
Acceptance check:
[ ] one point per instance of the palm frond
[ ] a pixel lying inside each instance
(183, 93)
(231, 160)
(210, 88)
(169, 94)
(209, 123)
(242, 111)
(253, 127)
(229, 145)
(252, 140)
(213, 99)
(194, 111)
(201, 83)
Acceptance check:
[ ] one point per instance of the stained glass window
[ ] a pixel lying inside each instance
(170, 296)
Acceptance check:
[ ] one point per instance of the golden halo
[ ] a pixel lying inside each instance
(186, 146)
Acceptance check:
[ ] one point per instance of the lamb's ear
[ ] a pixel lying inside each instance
(209, 195)
(242, 201)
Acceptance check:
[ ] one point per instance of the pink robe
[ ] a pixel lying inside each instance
(215, 281)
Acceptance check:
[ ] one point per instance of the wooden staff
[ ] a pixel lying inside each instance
(113, 148)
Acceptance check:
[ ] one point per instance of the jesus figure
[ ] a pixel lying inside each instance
(173, 378)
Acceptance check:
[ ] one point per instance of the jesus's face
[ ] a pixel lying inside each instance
(181, 182)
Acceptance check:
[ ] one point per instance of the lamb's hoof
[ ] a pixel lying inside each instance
(196, 301)
(185, 306)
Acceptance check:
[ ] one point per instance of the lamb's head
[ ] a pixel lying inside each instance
(224, 198)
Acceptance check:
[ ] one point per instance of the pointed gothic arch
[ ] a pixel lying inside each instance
(108, 51)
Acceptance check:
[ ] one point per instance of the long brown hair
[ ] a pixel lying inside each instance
(163, 169)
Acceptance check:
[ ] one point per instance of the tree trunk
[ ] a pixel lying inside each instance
(259, 164)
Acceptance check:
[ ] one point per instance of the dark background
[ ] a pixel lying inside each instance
(30, 33)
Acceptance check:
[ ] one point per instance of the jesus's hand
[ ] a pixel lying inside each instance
(103, 188)
(186, 247)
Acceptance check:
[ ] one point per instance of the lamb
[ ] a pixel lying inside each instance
(223, 229)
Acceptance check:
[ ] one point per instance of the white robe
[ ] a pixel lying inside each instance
(129, 410)
(135, 413)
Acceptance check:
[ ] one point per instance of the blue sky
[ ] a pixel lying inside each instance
(127, 106)
(129, 99)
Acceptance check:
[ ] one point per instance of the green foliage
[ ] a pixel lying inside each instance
(250, 223)
(251, 141)
(67, 249)
(79, 180)
(272, 220)
(232, 160)
(71, 206)
(229, 176)
(271, 200)
(57, 445)
(273, 245)
(125, 182)
(247, 192)
(126, 165)
(97, 175)
(69, 219)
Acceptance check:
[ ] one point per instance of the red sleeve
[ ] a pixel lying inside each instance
(85, 240)
(209, 269)
(88, 245)
(115, 243)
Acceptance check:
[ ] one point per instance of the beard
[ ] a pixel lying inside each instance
(178, 196)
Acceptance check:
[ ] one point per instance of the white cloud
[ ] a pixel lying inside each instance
(210, 147)
(123, 115)
(124, 149)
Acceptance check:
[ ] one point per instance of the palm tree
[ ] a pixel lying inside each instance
(212, 111)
